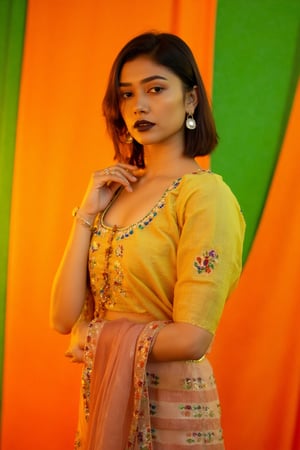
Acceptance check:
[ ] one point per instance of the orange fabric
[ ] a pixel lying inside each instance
(256, 354)
(194, 21)
(69, 48)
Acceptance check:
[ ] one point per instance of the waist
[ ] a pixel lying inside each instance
(134, 317)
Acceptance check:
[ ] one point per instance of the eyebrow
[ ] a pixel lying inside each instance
(146, 80)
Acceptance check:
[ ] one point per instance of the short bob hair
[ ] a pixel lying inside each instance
(172, 52)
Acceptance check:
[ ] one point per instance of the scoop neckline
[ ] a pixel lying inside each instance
(153, 211)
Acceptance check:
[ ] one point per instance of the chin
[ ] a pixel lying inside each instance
(148, 140)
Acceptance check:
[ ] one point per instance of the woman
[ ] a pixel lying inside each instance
(162, 239)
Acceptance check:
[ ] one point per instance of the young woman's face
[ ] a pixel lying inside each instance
(153, 102)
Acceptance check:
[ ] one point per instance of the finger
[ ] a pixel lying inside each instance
(119, 171)
(125, 166)
(117, 176)
(77, 360)
(76, 355)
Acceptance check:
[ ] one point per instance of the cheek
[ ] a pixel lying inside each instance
(176, 110)
(124, 111)
(176, 105)
(122, 108)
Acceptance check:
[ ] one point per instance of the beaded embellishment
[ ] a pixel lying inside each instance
(112, 275)
(141, 224)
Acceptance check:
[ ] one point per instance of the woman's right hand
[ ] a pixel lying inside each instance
(103, 185)
(77, 343)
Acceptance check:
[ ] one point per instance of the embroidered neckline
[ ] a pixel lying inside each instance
(128, 230)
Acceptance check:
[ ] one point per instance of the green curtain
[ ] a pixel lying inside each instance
(12, 25)
(256, 69)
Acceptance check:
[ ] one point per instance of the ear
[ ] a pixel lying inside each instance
(191, 100)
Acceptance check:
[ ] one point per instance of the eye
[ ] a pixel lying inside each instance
(125, 94)
(156, 90)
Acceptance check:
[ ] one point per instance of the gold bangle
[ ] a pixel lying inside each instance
(81, 219)
(197, 361)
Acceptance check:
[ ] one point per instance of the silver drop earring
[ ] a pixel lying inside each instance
(190, 122)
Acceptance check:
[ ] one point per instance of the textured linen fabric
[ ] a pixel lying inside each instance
(179, 262)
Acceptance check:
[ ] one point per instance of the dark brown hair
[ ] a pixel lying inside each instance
(172, 52)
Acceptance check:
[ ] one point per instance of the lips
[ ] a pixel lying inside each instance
(143, 125)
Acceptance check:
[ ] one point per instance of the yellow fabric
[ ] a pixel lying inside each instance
(212, 228)
(154, 266)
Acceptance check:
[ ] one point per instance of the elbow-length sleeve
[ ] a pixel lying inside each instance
(209, 257)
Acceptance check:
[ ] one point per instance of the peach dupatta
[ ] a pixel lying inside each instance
(114, 409)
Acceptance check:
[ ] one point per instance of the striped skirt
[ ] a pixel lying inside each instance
(184, 406)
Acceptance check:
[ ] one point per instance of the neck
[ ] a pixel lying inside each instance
(160, 162)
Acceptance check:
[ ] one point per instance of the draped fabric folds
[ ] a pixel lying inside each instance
(69, 47)
(12, 19)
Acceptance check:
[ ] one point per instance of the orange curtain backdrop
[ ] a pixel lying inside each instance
(69, 48)
(257, 349)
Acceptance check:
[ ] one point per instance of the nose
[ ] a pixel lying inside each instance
(141, 104)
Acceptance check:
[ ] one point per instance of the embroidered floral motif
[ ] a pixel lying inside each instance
(204, 437)
(152, 379)
(154, 434)
(141, 418)
(196, 410)
(94, 246)
(119, 250)
(89, 354)
(194, 384)
(207, 262)
(144, 438)
(112, 277)
(153, 409)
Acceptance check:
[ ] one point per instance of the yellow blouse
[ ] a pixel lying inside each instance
(180, 262)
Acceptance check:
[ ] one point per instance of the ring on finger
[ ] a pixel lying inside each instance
(106, 171)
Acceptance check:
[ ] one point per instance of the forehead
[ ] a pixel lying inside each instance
(143, 67)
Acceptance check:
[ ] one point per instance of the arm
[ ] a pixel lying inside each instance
(70, 283)
(209, 261)
(76, 346)
(181, 341)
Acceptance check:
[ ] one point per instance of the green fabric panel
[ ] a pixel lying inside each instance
(12, 22)
(256, 68)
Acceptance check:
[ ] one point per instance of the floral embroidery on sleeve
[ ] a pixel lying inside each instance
(206, 262)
